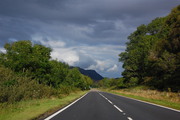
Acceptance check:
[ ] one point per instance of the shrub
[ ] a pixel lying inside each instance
(133, 81)
(15, 88)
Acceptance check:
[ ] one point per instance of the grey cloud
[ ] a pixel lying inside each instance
(103, 29)
(81, 11)
(14, 29)
(85, 61)
(87, 30)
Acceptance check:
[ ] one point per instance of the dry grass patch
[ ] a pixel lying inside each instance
(152, 94)
(168, 99)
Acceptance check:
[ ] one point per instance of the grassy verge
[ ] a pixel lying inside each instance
(167, 99)
(27, 110)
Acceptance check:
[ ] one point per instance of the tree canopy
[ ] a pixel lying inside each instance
(152, 55)
(34, 60)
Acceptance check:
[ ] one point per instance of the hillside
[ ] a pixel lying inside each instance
(90, 73)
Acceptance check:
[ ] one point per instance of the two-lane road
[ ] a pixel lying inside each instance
(105, 106)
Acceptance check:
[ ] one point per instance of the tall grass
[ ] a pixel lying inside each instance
(169, 99)
(152, 94)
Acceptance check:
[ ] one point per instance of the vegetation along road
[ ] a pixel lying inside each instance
(105, 106)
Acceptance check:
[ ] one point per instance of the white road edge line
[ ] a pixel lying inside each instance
(118, 108)
(129, 118)
(147, 102)
(48, 118)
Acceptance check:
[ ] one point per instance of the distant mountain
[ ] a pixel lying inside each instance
(91, 73)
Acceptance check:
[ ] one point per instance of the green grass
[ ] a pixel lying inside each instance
(164, 102)
(27, 110)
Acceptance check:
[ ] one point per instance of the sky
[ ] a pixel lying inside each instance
(86, 33)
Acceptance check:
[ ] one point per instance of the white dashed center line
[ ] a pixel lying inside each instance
(129, 118)
(118, 108)
(110, 101)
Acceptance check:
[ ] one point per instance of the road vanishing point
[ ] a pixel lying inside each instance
(97, 105)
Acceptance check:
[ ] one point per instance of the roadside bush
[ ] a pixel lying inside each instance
(66, 89)
(28, 72)
(120, 83)
(15, 88)
(113, 83)
(133, 81)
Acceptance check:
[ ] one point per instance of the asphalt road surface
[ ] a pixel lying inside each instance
(105, 106)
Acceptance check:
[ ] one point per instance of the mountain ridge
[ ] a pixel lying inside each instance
(90, 73)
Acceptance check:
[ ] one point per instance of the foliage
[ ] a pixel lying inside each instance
(112, 83)
(57, 73)
(76, 79)
(23, 56)
(15, 88)
(152, 56)
(28, 72)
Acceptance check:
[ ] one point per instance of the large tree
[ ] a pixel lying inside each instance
(166, 54)
(24, 57)
(153, 53)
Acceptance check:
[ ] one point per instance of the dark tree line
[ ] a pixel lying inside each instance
(152, 56)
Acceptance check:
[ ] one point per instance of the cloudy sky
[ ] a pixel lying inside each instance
(85, 33)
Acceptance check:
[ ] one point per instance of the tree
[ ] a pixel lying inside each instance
(33, 60)
(24, 57)
(166, 54)
(58, 73)
(74, 78)
(153, 52)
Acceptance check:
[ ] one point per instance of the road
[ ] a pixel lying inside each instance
(106, 106)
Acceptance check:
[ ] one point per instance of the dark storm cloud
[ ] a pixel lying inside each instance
(83, 11)
(14, 29)
(98, 25)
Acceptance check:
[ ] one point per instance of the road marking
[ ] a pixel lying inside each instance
(48, 118)
(110, 101)
(106, 98)
(129, 118)
(147, 102)
(118, 108)
(103, 96)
